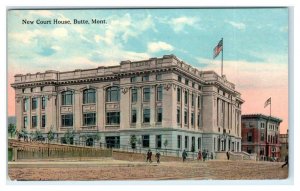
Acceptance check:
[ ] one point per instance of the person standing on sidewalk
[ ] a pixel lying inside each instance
(157, 157)
(184, 155)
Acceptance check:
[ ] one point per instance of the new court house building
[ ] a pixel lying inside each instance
(156, 100)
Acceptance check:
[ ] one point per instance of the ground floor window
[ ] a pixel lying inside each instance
(145, 141)
(67, 120)
(199, 142)
(112, 141)
(112, 118)
(43, 121)
(89, 142)
(158, 141)
(186, 141)
(178, 141)
(89, 119)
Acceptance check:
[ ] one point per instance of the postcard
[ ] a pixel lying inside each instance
(148, 94)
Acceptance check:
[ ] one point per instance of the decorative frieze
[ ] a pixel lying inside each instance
(112, 106)
(89, 108)
(66, 109)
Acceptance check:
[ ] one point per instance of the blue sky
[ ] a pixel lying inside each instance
(255, 43)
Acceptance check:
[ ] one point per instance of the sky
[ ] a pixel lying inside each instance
(255, 46)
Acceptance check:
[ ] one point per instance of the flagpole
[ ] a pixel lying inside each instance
(270, 106)
(222, 58)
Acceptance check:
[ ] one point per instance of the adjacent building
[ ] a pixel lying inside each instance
(160, 100)
(260, 135)
(284, 142)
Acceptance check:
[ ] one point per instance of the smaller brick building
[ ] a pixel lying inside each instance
(260, 135)
(284, 141)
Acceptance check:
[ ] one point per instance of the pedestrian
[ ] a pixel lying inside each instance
(148, 156)
(157, 157)
(227, 154)
(199, 155)
(286, 161)
(184, 155)
(204, 155)
(211, 155)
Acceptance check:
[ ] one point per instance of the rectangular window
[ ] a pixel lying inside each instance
(193, 100)
(43, 121)
(146, 94)
(185, 117)
(26, 104)
(25, 122)
(133, 79)
(158, 141)
(133, 116)
(134, 95)
(262, 136)
(43, 102)
(186, 142)
(159, 93)
(67, 98)
(179, 78)
(193, 84)
(159, 114)
(186, 97)
(34, 103)
(33, 121)
(89, 119)
(199, 87)
(178, 141)
(262, 125)
(67, 120)
(158, 77)
(192, 118)
(113, 118)
(146, 114)
(178, 94)
(199, 99)
(199, 119)
(145, 141)
(199, 142)
(186, 82)
(249, 136)
(145, 78)
(178, 115)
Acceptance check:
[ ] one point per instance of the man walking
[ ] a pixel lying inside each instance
(184, 155)
(286, 161)
(157, 157)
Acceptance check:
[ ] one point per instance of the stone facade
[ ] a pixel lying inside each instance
(160, 100)
(260, 135)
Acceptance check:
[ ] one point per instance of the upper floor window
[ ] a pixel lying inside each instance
(146, 94)
(133, 79)
(25, 121)
(113, 118)
(89, 119)
(26, 104)
(134, 95)
(145, 78)
(113, 94)
(158, 77)
(42, 88)
(67, 120)
(186, 97)
(159, 92)
(43, 121)
(43, 102)
(193, 84)
(199, 99)
(193, 100)
(133, 116)
(178, 94)
(159, 114)
(186, 82)
(67, 98)
(89, 96)
(34, 103)
(146, 115)
(179, 78)
(34, 121)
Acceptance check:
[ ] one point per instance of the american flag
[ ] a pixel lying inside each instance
(218, 48)
(268, 102)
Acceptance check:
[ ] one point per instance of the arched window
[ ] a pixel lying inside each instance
(67, 98)
(89, 96)
(112, 94)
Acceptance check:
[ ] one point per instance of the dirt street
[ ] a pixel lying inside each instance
(192, 170)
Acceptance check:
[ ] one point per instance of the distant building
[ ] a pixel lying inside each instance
(260, 135)
(157, 100)
(284, 141)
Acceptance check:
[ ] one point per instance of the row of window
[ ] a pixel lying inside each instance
(144, 78)
(34, 121)
(187, 81)
(186, 98)
(186, 142)
(186, 118)
(34, 103)
(146, 115)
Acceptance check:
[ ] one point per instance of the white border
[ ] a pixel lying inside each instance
(173, 185)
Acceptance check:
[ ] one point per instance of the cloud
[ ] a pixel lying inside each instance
(43, 13)
(179, 23)
(159, 46)
(237, 25)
